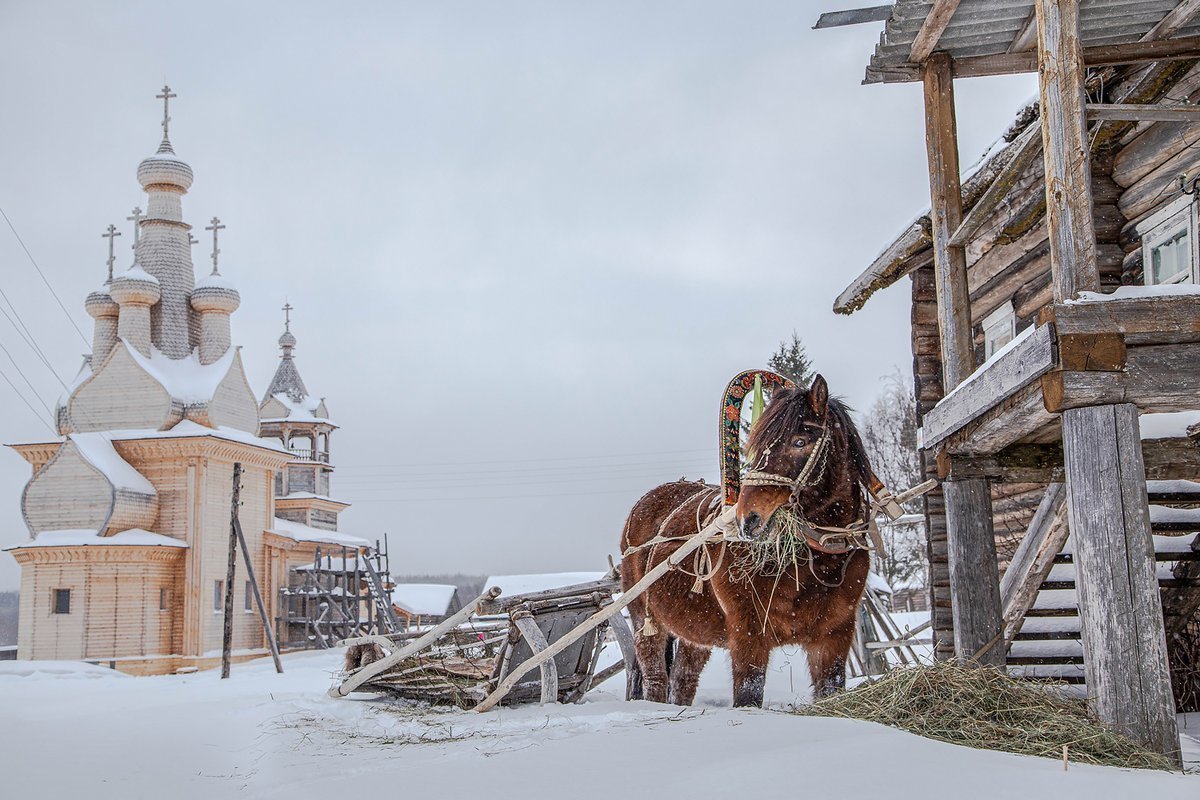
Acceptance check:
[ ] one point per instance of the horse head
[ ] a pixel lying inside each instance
(804, 454)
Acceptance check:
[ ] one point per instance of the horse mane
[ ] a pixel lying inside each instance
(786, 414)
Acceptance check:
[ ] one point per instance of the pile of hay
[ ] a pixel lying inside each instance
(980, 707)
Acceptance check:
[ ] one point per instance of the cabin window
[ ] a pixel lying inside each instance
(1169, 244)
(164, 598)
(999, 328)
(218, 596)
(248, 607)
(62, 601)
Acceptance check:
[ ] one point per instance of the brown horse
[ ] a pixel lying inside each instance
(808, 464)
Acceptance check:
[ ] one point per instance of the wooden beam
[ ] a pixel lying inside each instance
(931, 29)
(1140, 320)
(1026, 37)
(1067, 155)
(950, 267)
(1174, 19)
(974, 571)
(1030, 358)
(1018, 463)
(1156, 378)
(1028, 147)
(1124, 643)
(853, 16)
(1015, 63)
(1137, 112)
(1017, 418)
(1034, 558)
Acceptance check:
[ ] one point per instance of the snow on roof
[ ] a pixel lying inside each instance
(878, 583)
(85, 372)
(337, 564)
(1171, 425)
(97, 450)
(525, 584)
(299, 532)
(134, 537)
(303, 410)
(191, 429)
(1135, 292)
(185, 378)
(309, 496)
(217, 281)
(423, 599)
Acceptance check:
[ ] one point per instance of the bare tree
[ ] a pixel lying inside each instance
(890, 434)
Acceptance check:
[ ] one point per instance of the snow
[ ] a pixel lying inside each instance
(185, 378)
(299, 532)
(303, 411)
(1136, 292)
(878, 583)
(135, 272)
(56, 669)
(524, 584)
(264, 736)
(982, 368)
(190, 429)
(308, 496)
(1170, 425)
(1173, 487)
(1167, 514)
(97, 450)
(134, 537)
(217, 281)
(423, 599)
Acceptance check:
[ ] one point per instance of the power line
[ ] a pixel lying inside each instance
(26, 379)
(28, 404)
(43, 276)
(26, 335)
(549, 472)
(582, 479)
(419, 465)
(626, 492)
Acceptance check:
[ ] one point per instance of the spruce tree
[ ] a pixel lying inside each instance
(791, 361)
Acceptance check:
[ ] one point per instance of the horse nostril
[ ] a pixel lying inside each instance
(751, 523)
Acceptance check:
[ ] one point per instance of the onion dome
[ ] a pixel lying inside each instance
(287, 341)
(164, 168)
(215, 293)
(135, 285)
(101, 304)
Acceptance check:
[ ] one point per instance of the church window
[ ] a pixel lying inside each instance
(218, 596)
(249, 598)
(1169, 252)
(164, 597)
(62, 601)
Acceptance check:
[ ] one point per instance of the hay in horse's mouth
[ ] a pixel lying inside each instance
(784, 546)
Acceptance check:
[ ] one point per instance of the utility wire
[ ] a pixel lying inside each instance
(28, 404)
(549, 472)
(43, 276)
(421, 465)
(497, 497)
(537, 482)
(26, 379)
(26, 335)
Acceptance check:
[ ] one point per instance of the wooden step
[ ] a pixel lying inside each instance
(1182, 555)
(1047, 636)
(1163, 583)
(1039, 661)
(1053, 612)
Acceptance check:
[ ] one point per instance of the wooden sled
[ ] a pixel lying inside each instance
(463, 660)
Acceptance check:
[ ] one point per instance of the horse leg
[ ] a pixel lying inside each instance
(685, 671)
(827, 663)
(749, 655)
(651, 651)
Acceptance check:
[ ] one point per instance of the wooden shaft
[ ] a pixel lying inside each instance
(1065, 149)
(537, 643)
(717, 526)
(268, 631)
(230, 570)
(361, 676)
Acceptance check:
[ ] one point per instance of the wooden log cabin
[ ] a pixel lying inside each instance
(1054, 303)
(129, 511)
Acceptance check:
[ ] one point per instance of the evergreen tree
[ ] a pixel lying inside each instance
(791, 361)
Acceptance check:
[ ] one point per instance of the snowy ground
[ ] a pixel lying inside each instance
(70, 730)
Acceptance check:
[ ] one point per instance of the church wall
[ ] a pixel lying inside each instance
(293, 515)
(122, 615)
(69, 494)
(324, 520)
(122, 396)
(233, 404)
(42, 634)
(323, 482)
(302, 479)
(168, 474)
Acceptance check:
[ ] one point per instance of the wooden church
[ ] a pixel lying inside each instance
(129, 512)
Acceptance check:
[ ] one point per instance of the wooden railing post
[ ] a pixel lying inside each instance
(1124, 644)
(974, 573)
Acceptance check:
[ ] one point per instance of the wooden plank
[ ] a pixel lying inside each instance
(931, 29)
(1141, 320)
(1027, 361)
(537, 643)
(1156, 378)
(1124, 644)
(1065, 148)
(503, 603)
(950, 267)
(1026, 37)
(723, 522)
(624, 636)
(1137, 112)
(974, 573)
(1028, 147)
(853, 16)
(1034, 559)
(1017, 418)
(1173, 20)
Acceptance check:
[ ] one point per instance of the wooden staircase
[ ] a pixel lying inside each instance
(1048, 644)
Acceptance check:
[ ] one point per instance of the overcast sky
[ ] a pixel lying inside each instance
(527, 243)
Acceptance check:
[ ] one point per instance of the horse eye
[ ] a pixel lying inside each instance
(800, 441)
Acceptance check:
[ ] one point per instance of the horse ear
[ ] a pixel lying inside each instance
(818, 396)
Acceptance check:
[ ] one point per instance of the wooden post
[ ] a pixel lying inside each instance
(1124, 644)
(974, 574)
(230, 570)
(1065, 149)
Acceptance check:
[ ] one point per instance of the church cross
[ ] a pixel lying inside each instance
(166, 98)
(136, 219)
(111, 235)
(215, 227)
(287, 316)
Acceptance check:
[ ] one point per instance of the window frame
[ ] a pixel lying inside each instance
(55, 594)
(1001, 316)
(164, 598)
(248, 606)
(1164, 225)
(218, 596)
